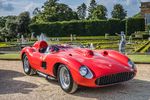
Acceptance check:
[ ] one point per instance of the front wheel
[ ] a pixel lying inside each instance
(26, 66)
(65, 79)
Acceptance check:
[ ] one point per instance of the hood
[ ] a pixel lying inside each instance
(100, 64)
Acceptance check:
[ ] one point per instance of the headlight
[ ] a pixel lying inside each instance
(86, 72)
(83, 71)
(131, 64)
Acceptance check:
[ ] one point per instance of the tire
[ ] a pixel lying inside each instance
(65, 79)
(26, 66)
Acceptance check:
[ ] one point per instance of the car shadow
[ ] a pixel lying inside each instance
(53, 81)
(8, 85)
(131, 90)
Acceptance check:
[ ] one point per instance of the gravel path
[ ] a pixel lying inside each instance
(15, 85)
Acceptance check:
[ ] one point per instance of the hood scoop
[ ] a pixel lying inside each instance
(70, 54)
(104, 53)
(85, 52)
(88, 53)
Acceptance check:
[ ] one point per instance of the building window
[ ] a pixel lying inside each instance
(147, 18)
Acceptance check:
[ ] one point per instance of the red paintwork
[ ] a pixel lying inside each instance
(100, 62)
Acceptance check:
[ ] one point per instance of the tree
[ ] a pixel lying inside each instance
(36, 11)
(92, 7)
(118, 12)
(3, 34)
(2, 21)
(64, 12)
(49, 10)
(81, 11)
(50, 3)
(10, 29)
(54, 11)
(23, 22)
(100, 12)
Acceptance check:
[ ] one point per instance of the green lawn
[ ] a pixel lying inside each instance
(10, 56)
(140, 58)
(2, 44)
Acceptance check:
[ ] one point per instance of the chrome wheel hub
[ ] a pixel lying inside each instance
(26, 64)
(64, 78)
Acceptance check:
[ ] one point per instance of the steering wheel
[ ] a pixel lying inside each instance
(54, 48)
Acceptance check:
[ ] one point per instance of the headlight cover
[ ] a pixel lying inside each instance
(131, 64)
(86, 72)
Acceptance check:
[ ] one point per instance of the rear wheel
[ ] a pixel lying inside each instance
(65, 79)
(26, 66)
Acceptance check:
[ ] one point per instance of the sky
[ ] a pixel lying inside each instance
(14, 7)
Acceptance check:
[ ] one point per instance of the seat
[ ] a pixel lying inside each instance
(43, 46)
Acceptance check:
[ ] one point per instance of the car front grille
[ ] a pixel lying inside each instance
(114, 78)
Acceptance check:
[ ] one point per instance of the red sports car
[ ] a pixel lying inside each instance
(74, 67)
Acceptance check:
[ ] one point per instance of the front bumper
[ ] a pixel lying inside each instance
(114, 78)
(106, 80)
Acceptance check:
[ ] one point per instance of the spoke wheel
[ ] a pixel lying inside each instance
(26, 66)
(65, 79)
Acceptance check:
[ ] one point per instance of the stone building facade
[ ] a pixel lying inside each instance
(145, 11)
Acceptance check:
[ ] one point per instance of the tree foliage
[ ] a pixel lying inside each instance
(81, 11)
(11, 25)
(91, 8)
(2, 21)
(36, 11)
(118, 12)
(8, 27)
(100, 12)
(54, 11)
(11, 28)
(23, 22)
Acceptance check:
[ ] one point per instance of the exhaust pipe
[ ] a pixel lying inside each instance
(46, 76)
(42, 74)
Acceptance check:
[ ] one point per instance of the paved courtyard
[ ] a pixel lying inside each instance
(15, 85)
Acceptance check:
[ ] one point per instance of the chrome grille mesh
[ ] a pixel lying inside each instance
(114, 78)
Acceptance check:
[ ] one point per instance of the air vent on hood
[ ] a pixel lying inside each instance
(70, 54)
(84, 52)
(88, 53)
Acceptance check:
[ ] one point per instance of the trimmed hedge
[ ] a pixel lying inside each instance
(87, 27)
(116, 26)
(148, 27)
(135, 24)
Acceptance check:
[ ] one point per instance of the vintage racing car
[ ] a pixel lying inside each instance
(74, 66)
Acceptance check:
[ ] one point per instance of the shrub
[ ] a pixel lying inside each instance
(148, 27)
(135, 24)
(65, 28)
(88, 27)
(116, 26)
